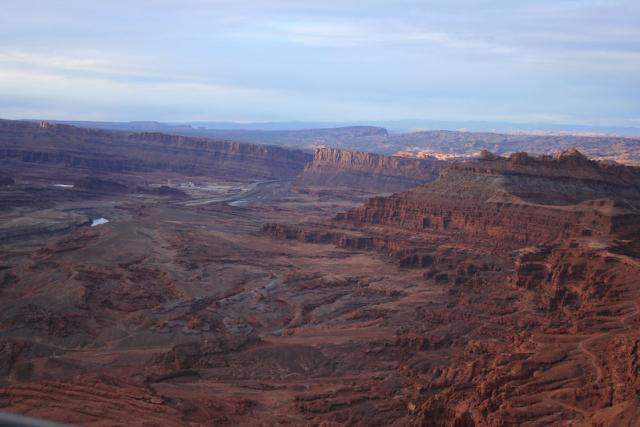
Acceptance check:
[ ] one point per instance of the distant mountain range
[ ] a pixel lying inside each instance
(410, 142)
(394, 126)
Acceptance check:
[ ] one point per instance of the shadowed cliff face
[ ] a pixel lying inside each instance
(334, 168)
(88, 150)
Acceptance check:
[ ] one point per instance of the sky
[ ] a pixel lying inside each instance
(544, 61)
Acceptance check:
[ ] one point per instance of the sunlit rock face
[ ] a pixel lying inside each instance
(355, 170)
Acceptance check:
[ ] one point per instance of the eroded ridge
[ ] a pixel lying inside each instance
(538, 258)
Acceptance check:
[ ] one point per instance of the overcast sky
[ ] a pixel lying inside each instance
(546, 61)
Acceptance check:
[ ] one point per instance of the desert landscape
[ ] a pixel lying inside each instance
(365, 213)
(154, 279)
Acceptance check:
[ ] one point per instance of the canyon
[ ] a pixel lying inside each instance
(240, 284)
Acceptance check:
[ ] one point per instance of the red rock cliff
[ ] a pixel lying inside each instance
(334, 168)
(103, 151)
(519, 199)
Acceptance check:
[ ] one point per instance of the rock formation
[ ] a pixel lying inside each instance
(538, 256)
(462, 144)
(334, 168)
(96, 151)
(521, 199)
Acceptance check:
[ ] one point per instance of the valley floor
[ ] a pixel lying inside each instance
(185, 312)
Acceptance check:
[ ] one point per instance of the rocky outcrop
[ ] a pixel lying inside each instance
(44, 223)
(335, 168)
(566, 276)
(341, 238)
(570, 164)
(538, 257)
(87, 399)
(97, 151)
(463, 144)
(520, 199)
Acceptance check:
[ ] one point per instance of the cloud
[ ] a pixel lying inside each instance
(261, 59)
(82, 62)
(615, 49)
(354, 34)
(81, 85)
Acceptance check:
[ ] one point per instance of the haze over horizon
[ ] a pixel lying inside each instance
(280, 60)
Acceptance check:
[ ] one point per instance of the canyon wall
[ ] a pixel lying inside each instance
(69, 148)
(537, 262)
(520, 199)
(335, 168)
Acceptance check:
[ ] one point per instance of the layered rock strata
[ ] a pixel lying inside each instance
(88, 150)
(539, 259)
(517, 199)
(335, 168)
